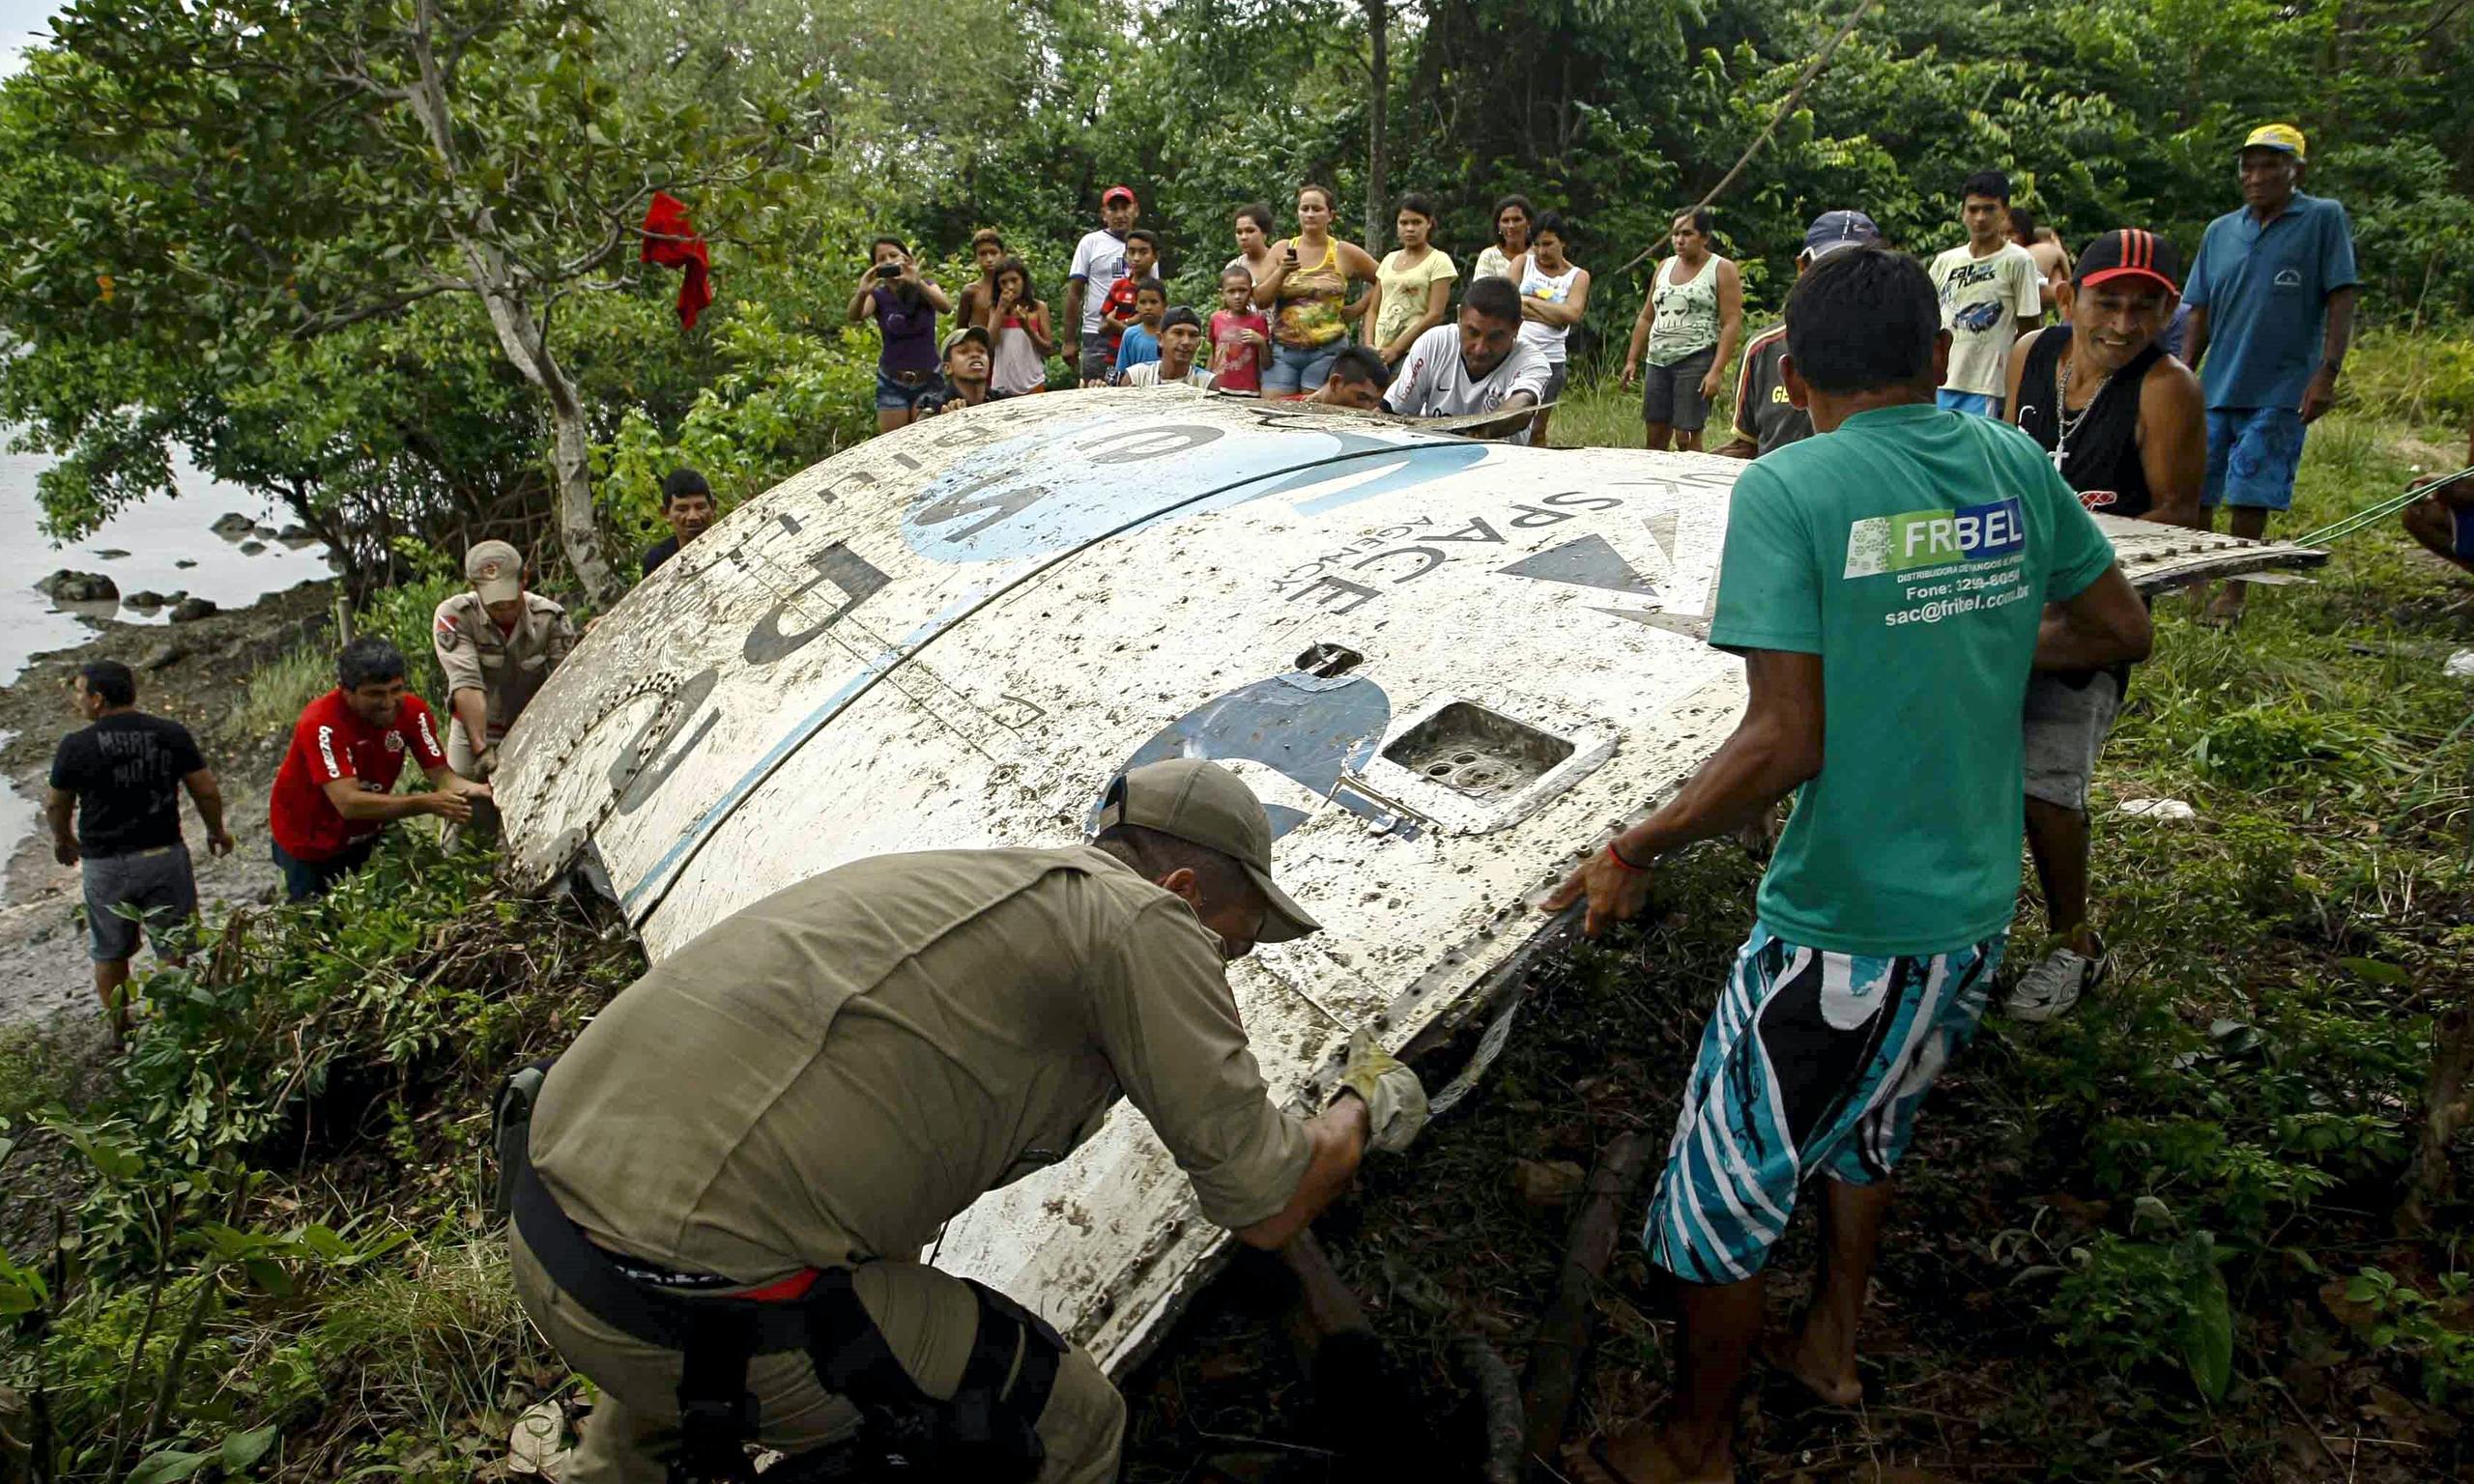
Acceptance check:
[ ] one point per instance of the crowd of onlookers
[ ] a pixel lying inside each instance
(1309, 315)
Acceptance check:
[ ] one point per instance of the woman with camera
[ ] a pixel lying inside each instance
(1308, 295)
(905, 307)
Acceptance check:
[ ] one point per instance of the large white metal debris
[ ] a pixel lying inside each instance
(1444, 665)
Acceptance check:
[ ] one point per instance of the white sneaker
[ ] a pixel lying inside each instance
(2051, 988)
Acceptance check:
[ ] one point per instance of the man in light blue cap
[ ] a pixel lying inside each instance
(1765, 418)
(2272, 294)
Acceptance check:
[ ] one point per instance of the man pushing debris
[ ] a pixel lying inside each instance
(1885, 586)
(495, 643)
(731, 1173)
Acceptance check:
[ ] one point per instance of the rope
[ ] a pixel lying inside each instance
(2381, 511)
(1777, 116)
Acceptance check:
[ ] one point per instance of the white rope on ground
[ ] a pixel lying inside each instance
(1777, 116)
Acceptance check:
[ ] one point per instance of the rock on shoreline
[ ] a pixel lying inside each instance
(66, 586)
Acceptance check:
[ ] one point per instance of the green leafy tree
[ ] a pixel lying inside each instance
(247, 172)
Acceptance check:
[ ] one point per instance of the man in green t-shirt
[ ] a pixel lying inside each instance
(1886, 587)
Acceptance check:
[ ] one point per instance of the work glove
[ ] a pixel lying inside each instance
(1395, 1102)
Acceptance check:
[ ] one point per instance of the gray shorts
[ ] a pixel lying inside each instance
(1672, 394)
(157, 885)
(2066, 729)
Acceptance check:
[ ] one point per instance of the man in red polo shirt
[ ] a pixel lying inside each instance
(336, 790)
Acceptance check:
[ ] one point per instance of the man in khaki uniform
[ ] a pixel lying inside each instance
(495, 643)
(796, 1100)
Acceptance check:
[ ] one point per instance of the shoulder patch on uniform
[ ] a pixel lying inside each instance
(447, 635)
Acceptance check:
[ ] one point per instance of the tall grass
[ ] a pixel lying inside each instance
(271, 701)
(1597, 411)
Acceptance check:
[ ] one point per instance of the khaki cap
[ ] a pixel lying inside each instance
(495, 570)
(1204, 804)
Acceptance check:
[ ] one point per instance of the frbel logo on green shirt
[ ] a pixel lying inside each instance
(1924, 538)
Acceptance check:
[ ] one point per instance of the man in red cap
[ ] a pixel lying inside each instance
(2126, 424)
(1099, 258)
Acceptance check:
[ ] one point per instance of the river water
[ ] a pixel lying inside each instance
(154, 540)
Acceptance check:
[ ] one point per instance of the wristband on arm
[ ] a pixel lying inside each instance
(1621, 860)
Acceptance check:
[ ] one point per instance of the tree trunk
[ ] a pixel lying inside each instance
(522, 332)
(521, 335)
(1378, 189)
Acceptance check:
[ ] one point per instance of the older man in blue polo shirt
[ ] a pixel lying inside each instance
(2272, 296)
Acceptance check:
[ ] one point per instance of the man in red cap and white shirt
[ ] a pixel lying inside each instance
(2126, 425)
(495, 643)
(336, 791)
(1099, 258)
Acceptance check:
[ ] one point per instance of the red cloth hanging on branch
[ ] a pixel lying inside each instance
(671, 243)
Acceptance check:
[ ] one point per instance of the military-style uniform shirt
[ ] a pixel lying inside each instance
(506, 669)
(828, 1075)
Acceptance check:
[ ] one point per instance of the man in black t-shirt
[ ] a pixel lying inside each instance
(687, 504)
(121, 777)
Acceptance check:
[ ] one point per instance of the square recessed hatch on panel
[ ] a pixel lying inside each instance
(1471, 750)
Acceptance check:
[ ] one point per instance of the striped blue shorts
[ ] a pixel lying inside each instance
(1813, 1063)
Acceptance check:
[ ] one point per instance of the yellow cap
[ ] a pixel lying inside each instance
(2277, 136)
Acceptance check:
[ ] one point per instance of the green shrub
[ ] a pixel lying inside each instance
(2134, 1305)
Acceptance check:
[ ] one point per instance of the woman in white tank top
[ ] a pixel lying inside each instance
(1554, 293)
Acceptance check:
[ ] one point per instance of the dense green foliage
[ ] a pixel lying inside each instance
(266, 1212)
(186, 269)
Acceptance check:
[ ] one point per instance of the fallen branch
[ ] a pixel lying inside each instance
(1478, 1368)
(1564, 1335)
(2448, 1105)
(1328, 1305)
(1777, 116)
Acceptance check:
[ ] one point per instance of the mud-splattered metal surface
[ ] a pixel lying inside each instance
(1442, 664)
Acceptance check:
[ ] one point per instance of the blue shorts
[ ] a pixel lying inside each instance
(1813, 1063)
(2462, 533)
(1294, 371)
(893, 396)
(1975, 404)
(2252, 455)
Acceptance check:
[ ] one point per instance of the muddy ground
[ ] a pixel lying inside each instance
(43, 967)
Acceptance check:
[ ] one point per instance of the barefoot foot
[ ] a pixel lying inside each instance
(1825, 1379)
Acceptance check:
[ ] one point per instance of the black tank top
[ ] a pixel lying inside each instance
(2102, 462)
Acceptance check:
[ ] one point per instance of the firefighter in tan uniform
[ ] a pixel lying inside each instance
(495, 643)
(734, 1170)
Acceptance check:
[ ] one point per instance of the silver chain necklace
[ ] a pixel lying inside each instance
(2063, 423)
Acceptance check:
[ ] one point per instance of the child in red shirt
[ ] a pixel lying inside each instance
(1118, 311)
(1240, 337)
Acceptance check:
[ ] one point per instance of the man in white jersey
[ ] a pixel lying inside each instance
(1477, 364)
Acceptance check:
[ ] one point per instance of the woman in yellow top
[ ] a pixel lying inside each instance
(1307, 293)
(1413, 287)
